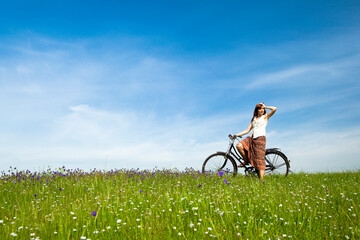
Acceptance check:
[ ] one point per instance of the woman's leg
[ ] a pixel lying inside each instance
(242, 152)
(261, 173)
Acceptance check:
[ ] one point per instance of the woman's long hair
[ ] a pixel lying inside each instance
(257, 107)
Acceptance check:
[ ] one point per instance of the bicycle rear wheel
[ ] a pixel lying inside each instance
(219, 163)
(276, 163)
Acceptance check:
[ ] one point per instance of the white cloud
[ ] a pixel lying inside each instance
(89, 137)
(304, 74)
(315, 150)
(64, 106)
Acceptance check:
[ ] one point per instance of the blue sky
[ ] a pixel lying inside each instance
(114, 84)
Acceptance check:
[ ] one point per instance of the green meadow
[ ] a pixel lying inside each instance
(172, 204)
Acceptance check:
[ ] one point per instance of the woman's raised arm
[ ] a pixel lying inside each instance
(273, 110)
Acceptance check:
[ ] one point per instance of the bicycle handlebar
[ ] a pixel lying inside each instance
(232, 136)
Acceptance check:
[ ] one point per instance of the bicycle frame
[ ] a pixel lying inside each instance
(233, 153)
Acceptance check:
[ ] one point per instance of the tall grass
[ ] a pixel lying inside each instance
(171, 204)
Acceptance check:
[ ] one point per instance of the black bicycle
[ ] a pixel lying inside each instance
(226, 162)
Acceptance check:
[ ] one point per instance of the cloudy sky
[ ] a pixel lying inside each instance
(144, 84)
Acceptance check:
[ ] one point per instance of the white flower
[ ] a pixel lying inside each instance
(118, 221)
(1, 221)
(179, 233)
(72, 213)
(209, 228)
(32, 234)
(82, 237)
(138, 220)
(191, 225)
(55, 233)
(13, 234)
(174, 228)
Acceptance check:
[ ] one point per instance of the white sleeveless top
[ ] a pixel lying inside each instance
(259, 127)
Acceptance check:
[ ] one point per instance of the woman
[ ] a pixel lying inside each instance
(252, 149)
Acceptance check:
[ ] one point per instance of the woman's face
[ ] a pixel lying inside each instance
(261, 111)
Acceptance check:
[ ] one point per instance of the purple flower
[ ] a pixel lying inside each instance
(225, 181)
(140, 191)
(93, 213)
(60, 189)
(35, 195)
(221, 173)
(199, 186)
(327, 191)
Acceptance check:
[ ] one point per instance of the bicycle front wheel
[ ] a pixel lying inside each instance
(276, 163)
(221, 164)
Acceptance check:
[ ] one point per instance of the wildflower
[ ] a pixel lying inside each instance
(221, 173)
(174, 228)
(191, 225)
(55, 233)
(225, 181)
(93, 213)
(60, 189)
(199, 186)
(140, 191)
(13, 234)
(82, 237)
(118, 221)
(72, 213)
(179, 233)
(35, 195)
(1, 221)
(32, 234)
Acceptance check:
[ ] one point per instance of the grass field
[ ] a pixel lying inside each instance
(171, 204)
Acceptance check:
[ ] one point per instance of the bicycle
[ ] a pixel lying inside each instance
(225, 162)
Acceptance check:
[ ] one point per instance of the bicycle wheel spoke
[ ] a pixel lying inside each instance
(219, 164)
(277, 164)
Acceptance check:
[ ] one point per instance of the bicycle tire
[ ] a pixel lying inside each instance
(220, 162)
(276, 163)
